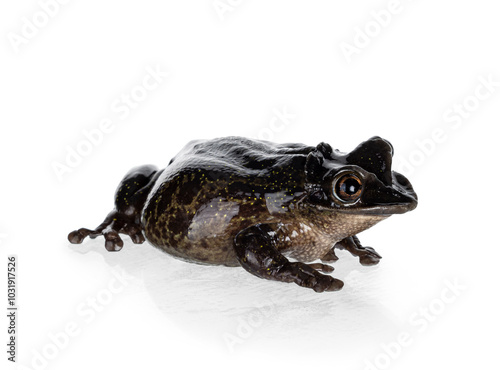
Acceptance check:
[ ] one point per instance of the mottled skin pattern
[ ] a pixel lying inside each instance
(240, 202)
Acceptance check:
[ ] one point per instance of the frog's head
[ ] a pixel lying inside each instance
(359, 182)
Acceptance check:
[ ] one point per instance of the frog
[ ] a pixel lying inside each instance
(273, 209)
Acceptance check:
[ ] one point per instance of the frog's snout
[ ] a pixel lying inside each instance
(404, 187)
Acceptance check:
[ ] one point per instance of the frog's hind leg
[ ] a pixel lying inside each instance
(125, 218)
(256, 251)
(113, 224)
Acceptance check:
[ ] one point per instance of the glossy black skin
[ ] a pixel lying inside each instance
(241, 202)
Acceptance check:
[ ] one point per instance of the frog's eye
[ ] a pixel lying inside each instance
(348, 187)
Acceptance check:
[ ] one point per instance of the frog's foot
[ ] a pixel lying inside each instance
(367, 255)
(257, 253)
(110, 228)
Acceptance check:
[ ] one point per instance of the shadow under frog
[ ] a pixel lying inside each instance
(236, 311)
(274, 209)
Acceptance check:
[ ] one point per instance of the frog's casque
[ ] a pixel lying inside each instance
(239, 202)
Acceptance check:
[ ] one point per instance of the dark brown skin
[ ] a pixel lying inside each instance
(240, 202)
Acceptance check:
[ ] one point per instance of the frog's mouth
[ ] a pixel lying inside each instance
(397, 198)
(383, 199)
(382, 210)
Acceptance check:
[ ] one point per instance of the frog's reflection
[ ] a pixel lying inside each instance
(228, 305)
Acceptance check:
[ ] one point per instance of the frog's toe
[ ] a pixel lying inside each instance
(137, 238)
(369, 260)
(327, 284)
(134, 232)
(370, 257)
(373, 252)
(330, 256)
(77, 236)
(321, 267)
(113, 241)
(335, 285)
(309, 277)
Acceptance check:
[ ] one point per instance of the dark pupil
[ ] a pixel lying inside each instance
(349, 186)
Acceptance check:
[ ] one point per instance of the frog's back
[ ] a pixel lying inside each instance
(238, 154)
(213, 189)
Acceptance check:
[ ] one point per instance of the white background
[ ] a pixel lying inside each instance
(229, 72)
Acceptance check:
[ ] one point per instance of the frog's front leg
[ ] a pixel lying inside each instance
(125, 218)
(367, 256)
(256, 251)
